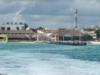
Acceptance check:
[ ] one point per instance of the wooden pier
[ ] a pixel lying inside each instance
(74, 43)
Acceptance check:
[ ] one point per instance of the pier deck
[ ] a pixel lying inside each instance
(76, 43)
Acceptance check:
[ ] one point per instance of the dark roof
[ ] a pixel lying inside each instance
(14, 23)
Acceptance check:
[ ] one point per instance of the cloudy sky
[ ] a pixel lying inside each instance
(51, 13)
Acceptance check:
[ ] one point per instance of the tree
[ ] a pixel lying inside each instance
(40, 28)
(98, 33)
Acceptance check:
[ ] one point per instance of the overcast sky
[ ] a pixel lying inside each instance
(51, 13)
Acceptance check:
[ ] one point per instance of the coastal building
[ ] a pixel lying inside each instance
(9, 26)
(17, 31)
(72, 34)
(91, 33)
(69, 34)
(47, 35)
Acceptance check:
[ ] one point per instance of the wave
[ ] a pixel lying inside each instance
(46, 64)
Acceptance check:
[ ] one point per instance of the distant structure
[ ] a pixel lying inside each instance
(76, 18)
(10, 26)
(69, 34)
(17, 31)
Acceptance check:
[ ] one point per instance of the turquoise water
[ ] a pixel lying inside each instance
(49, 59)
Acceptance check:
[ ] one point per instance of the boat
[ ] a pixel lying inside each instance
(94, 42)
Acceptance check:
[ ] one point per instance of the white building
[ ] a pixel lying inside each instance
(10, 26)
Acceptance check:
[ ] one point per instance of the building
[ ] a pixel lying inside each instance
(10, 26)
(75, 34)
(91, 33)
(17, 31)
(47, 35)
(69, 34)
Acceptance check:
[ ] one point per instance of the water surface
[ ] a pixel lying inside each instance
(49, 59)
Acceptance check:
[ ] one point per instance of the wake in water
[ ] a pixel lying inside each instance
(45, 64)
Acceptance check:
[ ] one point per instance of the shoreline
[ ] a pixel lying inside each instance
(47, 42)
(25, 42)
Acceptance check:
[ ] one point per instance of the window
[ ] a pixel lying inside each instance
(17, 28)
(8, 28)
(11, 22)
(2, 28)
(15, 23)
(20, 23)
(7, 22)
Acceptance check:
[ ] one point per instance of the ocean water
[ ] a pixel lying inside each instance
(49, 59)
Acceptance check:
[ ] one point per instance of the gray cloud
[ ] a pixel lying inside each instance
(54, 13)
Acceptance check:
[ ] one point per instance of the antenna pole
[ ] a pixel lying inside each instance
(76, 18)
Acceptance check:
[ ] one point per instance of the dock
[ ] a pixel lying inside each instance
(74, 43)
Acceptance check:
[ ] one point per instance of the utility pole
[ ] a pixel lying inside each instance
(76, 24)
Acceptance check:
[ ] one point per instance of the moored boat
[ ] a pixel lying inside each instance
(94, 42)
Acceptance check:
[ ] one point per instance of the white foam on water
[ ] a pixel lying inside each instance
(46, 64)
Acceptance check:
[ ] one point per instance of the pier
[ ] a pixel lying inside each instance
(74, 43)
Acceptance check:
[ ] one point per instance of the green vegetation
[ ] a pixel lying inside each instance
(4, 38)
(40, 28)
(98, 33)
